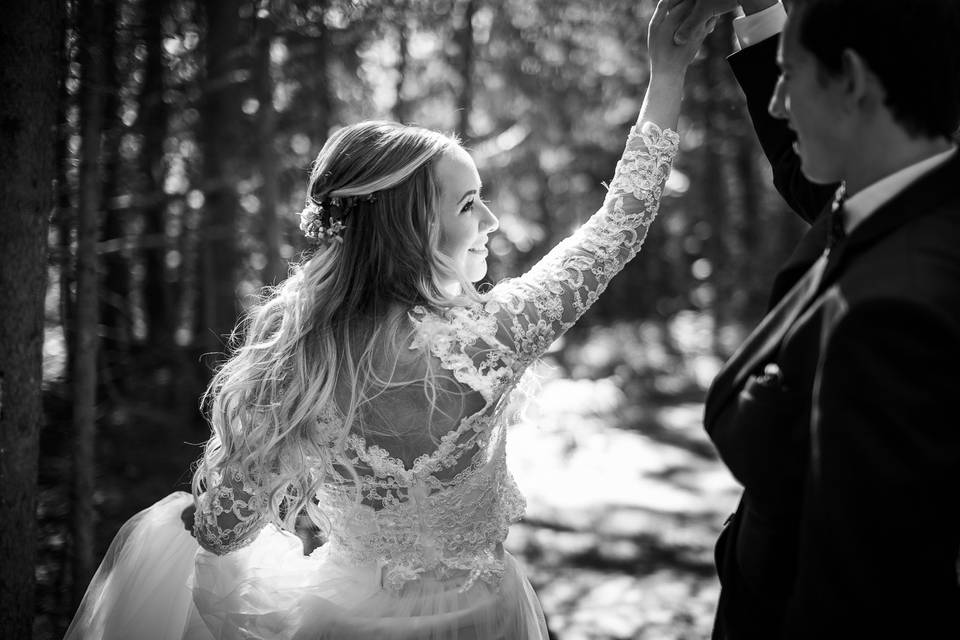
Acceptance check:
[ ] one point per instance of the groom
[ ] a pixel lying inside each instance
(839, 413)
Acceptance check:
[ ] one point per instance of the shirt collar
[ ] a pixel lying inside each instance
(859, 206)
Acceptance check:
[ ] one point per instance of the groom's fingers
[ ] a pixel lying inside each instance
(696, 19)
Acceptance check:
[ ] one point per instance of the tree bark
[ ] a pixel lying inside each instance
(322, 88)
(464, 39)
(115, 298)
(64, 218)
(269, 160)
(400, 107)
(29, 61)
(315, 101)
(159, 307)
(220, 116)
(714, 193)
(92, 64)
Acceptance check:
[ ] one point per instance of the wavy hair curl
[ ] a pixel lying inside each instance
(333, 316)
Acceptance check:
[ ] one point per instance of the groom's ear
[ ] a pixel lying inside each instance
(861, 88)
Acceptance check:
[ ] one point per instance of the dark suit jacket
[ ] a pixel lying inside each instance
(849, 525)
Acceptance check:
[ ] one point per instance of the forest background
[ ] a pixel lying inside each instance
(155, 157)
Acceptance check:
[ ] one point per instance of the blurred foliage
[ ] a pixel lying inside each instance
(555, 86)
(216, 111)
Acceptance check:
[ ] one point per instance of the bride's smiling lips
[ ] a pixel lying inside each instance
(479, 249)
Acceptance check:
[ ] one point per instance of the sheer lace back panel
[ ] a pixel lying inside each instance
(436, 498)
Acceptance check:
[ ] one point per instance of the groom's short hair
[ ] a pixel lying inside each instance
(912, 45)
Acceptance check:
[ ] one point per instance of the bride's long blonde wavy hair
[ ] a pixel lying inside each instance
(330, 318)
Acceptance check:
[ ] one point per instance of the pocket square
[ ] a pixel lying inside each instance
(761, 437)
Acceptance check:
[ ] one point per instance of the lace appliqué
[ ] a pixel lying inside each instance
(465, 341)
(229, 515)
(448, 513)
(412, 522)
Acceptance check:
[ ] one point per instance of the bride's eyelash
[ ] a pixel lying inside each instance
(469, 205)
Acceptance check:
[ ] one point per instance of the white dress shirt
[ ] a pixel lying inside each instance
(759, 26)
(860, 205)
(765, 24)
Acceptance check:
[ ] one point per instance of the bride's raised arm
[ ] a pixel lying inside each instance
(524, 315)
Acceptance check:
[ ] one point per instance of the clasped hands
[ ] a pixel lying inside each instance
(700, 16)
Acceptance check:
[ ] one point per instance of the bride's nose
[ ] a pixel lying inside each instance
(488, 222)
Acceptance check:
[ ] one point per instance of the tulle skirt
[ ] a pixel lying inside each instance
(156, 583)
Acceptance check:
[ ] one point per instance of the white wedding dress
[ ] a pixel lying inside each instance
(421, 556)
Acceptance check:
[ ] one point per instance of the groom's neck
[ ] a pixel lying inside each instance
(883, 150)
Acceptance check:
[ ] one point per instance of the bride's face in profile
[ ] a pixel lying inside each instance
(465, 221)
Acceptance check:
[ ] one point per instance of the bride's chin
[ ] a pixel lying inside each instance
(472, 271)
(452, 288)
(476, 266)
(476, 274)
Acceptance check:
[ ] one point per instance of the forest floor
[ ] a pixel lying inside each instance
(623, 507)
(625, 495)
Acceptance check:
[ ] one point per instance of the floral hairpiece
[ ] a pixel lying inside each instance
(317, 220)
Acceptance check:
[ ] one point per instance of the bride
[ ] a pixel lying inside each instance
(372, 392)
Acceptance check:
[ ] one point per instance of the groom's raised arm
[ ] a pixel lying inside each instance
(756, 70)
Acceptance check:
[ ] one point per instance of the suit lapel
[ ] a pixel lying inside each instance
(918, 199)
(913, 202)
(811, 245)
(785, 298)
(764, 340)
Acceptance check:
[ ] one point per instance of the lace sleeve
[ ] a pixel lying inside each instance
(487, 346)
(229, 515)
(534, 309)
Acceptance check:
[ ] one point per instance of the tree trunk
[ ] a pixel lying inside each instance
(464, 39)
(323, 91)
(400, 107)
(159, 307)
(115, 299)
(316, 101)
(29, 59)
(269, 160)
(92, 63)
(715, 200)
(64, 218)
(220, 116)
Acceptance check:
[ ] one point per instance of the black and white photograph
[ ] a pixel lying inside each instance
(479, 320)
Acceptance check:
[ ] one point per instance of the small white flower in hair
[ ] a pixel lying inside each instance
(317, 222)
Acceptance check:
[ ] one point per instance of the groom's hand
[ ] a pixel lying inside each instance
(705, 12)
(701, 18)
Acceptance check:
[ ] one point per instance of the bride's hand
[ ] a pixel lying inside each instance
(667, 57)
(700, 12)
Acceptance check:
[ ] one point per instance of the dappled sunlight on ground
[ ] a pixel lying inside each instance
(624, 505)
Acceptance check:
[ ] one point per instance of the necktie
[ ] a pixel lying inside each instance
(837, 230)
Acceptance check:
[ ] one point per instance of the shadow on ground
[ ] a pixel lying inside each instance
(626, 496)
